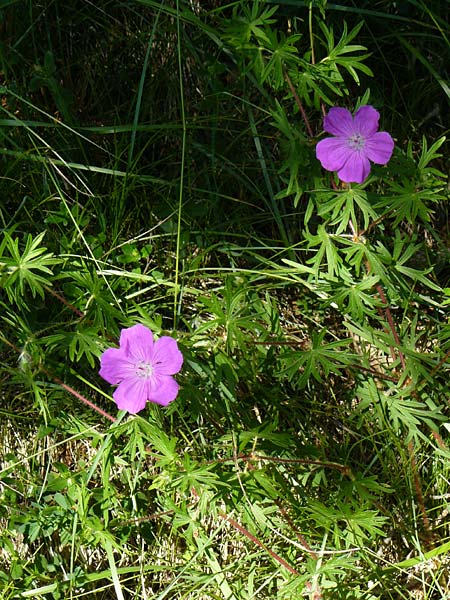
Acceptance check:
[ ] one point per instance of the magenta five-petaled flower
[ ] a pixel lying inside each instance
(356, 141)
(142, 369)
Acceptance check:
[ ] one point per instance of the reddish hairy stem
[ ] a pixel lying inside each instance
(274, 555)
(299, 104)
(255, 540)
(390, 320)
(417, 484)
(299, 461)
(387, 310)
(379, 220)
(434, 370)
(79, 396)
(376, 373)
(64, 385)
(61, 298)
(295, 530)
(419, 494)
(276, 459)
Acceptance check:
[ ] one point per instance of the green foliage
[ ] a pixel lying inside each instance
(24, 270)
(159, 168)
(317, 361)
(272, 55)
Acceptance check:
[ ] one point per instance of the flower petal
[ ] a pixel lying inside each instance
(162, 390)
(115, 366)
(167, 359)
(333, 153)
(131, 395)
(379, 147)
(137, 343)
(339, 121)
(366, 120)
(356, 169)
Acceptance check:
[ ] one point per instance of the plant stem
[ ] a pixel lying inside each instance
(299, 104)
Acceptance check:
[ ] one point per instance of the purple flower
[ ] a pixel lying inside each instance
(142, 369)
(356, 142)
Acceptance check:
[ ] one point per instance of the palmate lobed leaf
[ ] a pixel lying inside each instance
(342, 207)
(337, 51)
(252, 22)
(26, 269)
(355, 298)
(327, 252)
(347, 523)
(281, 52)
(81, 342)
(317, 362)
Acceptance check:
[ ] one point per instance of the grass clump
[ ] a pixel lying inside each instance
(159, 168)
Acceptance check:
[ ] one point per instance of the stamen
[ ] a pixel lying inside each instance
(144, 370)
(356, 141)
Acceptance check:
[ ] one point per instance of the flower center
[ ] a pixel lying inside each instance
(356, 141)
(144, 369)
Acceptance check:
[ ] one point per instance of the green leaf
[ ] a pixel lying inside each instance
(27, 269)
(318, 361)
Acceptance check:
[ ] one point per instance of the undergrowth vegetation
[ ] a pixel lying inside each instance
(158, 167)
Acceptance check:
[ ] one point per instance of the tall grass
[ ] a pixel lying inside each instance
(158, 168)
